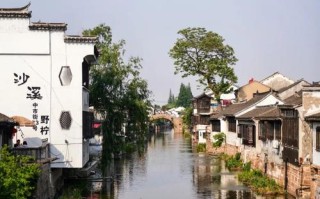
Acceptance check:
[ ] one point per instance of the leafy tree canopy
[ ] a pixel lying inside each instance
(171, 99)
(185, 96)
(117, 92)
(18, 175)
(203, 53)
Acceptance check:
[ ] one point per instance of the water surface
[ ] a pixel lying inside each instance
(171, 169)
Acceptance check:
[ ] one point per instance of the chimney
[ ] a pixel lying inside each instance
(251, 80)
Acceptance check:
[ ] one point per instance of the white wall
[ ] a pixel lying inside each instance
(315, 154)
(16, 38)
(40, 55)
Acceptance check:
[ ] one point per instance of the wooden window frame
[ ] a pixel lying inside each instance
(318, 139)
(216, 125)
(232, 124)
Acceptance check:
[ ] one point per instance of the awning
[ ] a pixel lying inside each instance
(22, 121)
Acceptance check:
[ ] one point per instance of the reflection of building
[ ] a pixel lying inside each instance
(46, 80)
(212, 179)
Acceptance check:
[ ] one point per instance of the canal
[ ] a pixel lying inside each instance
(171, 169)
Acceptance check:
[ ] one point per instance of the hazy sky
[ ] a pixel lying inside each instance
(267, 36)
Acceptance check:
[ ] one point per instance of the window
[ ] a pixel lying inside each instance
(65, 120)
(270, 129)
(216, 125)
(290, 131)
(65, 75)
(232, 124)
(262, 131)
(240, 131)
(249, 135)
(204, 119)
(194, 104)
(205, 103)
(277, 130)
(289, 113)
(318, 138)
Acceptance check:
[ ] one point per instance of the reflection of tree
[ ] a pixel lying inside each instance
(231, 195)
(203, 173)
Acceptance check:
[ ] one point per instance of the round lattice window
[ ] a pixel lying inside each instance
(65, 120)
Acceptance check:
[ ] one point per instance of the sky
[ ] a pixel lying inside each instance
(267, 36)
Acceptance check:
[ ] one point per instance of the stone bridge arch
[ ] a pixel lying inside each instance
(176, 121)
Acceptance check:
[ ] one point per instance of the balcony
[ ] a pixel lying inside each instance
(38, 154)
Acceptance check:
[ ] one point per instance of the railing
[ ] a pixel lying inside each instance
(38, 154)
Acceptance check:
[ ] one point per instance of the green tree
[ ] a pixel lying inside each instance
(185, 96)
(137, 106)
(117, 92)
(18, 176)
(171, 99)
(203, 53)
(186, 118)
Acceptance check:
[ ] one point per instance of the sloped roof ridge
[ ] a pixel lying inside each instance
(266, 106)
(21, 12)
(47, 26)
(23, 8)
(268, 111)
(275, 73)
(235, 108)
(292, 85)
(254, 81)
(80, 39)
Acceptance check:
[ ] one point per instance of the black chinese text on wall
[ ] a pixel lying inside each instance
(34, 94)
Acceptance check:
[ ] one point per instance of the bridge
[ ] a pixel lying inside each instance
(176, 121)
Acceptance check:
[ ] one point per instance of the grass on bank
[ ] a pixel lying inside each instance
(254, 178)
(260, 183)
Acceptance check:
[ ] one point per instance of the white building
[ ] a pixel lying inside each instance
(44, 77)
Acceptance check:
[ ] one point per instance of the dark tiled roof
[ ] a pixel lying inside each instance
(48, 26)
(262, 112)
(80, 39)
(292, 85)
(200, 96)
(216, 113)
(234, 108)
(314, 117)
(295, 99)
(22, 12)
(215, 116)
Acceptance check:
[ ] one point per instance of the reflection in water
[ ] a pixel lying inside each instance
(171, 169)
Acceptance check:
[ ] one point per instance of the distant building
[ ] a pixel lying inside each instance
(246, 92)
(277, 81)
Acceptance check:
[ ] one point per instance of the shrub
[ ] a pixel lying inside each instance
(246, 166)
(201, 147)
(234, 162)
(219, 139)
(18, 175)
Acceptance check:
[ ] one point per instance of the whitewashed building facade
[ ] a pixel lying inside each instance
(44, 78)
